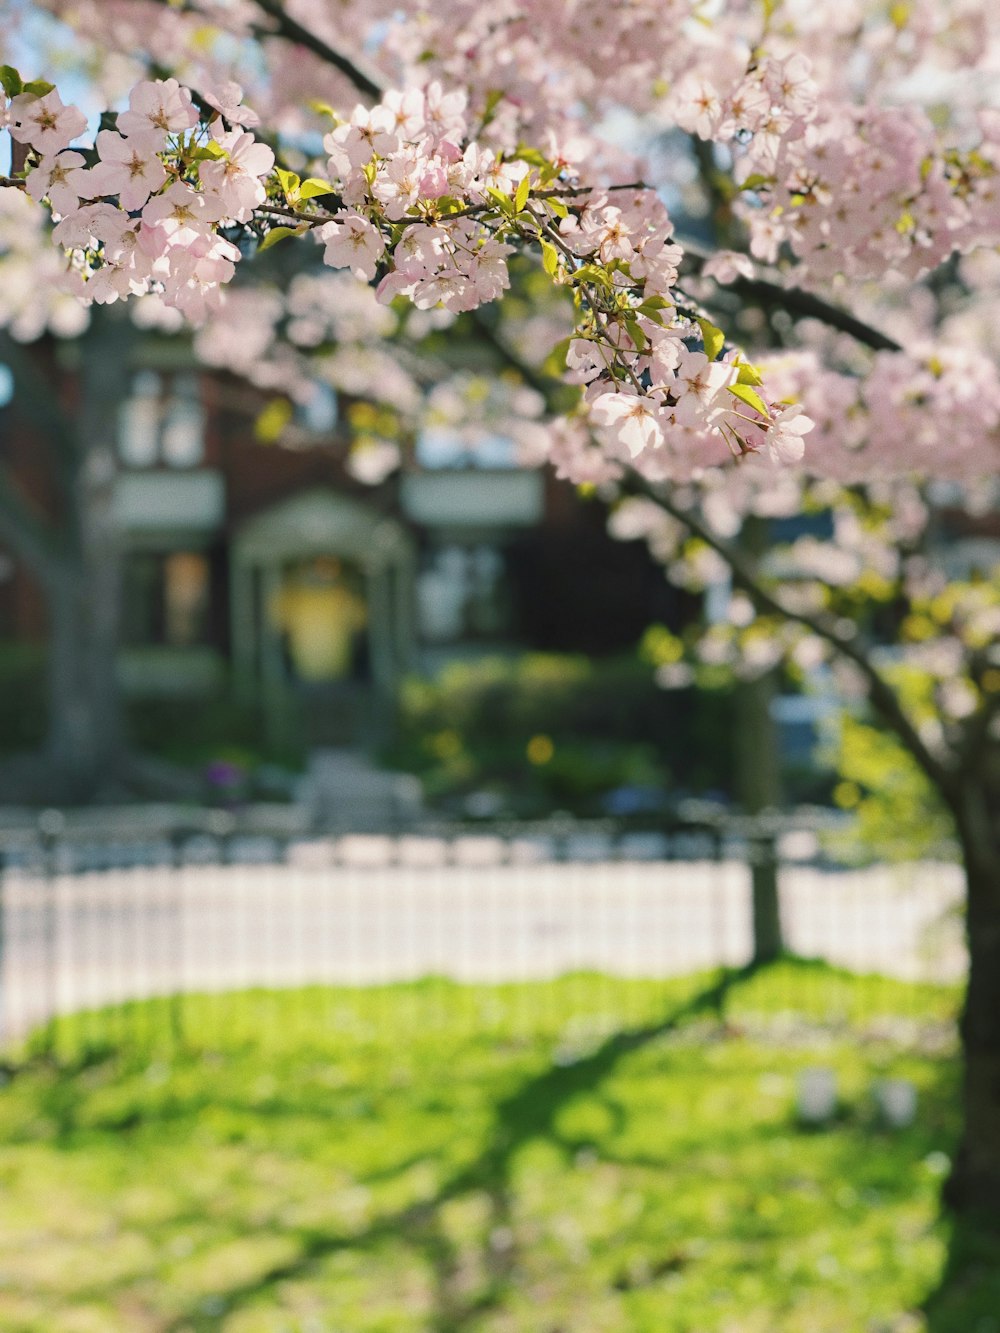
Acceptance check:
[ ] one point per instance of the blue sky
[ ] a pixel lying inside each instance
(40, 47)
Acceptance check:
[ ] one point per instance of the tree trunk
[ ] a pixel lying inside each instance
(86, 732)
(974, 1184)
(758, 781)
(85, 741)
(758, 784)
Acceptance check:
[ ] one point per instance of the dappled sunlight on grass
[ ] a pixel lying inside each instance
(581, 1154)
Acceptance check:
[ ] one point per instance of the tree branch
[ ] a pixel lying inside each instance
(367, 82)
(799, 302)
(881, 693)
(976, 733)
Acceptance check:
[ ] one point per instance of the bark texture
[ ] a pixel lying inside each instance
(974, 1184)
(74, 552)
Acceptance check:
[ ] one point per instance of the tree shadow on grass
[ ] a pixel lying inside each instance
(527, 1114)
(471, 1274)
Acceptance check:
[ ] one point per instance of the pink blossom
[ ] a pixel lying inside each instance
(627, 419)
(352, 242)
(785, 444)
(698, 105)
(160, 107)
(236, 180)
(726, 266)
(227, 99)
(585, 360)
(698, 385)
(44, 122)
(485, 169)
(180, 217)
(353, 145)
(791, 84)
(606, 231)
(398, 185)
(61, 179)
(407, 108)
(82, 227)
(444, 113)
(665, 353)
(129, 168)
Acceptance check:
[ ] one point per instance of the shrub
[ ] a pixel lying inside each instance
(545, 731)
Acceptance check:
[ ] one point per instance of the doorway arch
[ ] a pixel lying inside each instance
(321, 525)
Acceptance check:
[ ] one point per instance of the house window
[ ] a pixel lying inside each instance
(167, 599)
(461, 595)
(162, 423)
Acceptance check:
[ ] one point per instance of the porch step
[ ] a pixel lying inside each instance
(346, 793)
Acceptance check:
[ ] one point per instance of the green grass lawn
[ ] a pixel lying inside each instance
(566, 1157)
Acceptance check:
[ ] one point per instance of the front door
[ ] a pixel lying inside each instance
(321, 614)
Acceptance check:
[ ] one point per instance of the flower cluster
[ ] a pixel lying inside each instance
(438, 215)
(409, 162)
(415, 204)
(863, 190)
(142, 209)
(893, 420)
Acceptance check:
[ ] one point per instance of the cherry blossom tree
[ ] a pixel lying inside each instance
(428, 147)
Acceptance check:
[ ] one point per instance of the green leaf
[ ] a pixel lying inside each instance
(713, 338)
(749, 374)
(503, 201)
(322, 108)
(757, 181)
(636, 334)
(750, 396)
(593, 274)
(11, 80)
(530, 155)
(550, 258)
(899, 15)
(523, 190)
(555, 362)
(493, 100)
(272, 419)
(652, 308)
(211, 151)
(558, 208)
(314, 186)
(289, 181)
(277, 234)
(39, 87)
